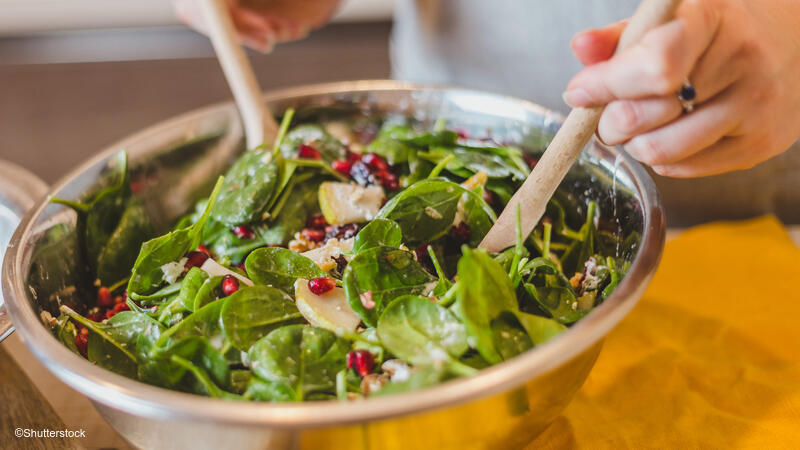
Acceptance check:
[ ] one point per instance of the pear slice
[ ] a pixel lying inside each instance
(329, 310)
(343, 203)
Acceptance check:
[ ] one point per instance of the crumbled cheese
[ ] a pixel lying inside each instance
(397, 370)
(173, 270)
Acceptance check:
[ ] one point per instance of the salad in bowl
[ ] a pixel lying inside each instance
(339, 262)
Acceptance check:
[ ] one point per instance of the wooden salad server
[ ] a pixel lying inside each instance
(259, 124)
(567, 144)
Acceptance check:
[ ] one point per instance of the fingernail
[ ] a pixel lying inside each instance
(576, 97)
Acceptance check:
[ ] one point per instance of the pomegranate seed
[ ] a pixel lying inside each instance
(195, 259)
(308, 152)
(530, 160)
(122, 307)
(375, 161)
(204, 249)
(366, 300)
(388, 180)
(111, 313)
(82, 341)
(321, 285)
(361, 361)
(313, 234)
(96, 315)
(118, 299)
(316, 221)
(460, 232)
(342, 166)
(353, 157)
(241, 267)
(229, 285)
(462, 133)
(243, 232)
(104, 297)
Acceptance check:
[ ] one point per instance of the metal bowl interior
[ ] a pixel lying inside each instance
(181, 157)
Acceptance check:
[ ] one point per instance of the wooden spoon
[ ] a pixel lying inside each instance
(567, 144)
(259, 125)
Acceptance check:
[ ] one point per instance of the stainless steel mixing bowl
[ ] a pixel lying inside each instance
(504, 406)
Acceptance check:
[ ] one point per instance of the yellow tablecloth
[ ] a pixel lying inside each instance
(710, 358)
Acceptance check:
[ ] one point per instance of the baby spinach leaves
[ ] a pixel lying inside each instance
(298, 360)
(380, 274)
(112, 226)
(426, 210)
(252, 312)
(482, 300)
(280, 267)
(248, 188)
(421, 332)
(379, 232)
(147, 274)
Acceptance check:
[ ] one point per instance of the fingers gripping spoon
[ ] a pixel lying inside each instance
(569, 141)
(259, 125)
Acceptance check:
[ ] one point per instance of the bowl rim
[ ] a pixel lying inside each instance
(141, 399)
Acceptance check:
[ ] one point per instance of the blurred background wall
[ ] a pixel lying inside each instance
(78, 75)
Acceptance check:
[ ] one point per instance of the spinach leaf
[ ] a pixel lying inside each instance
(252, 312)
(65, 331)
(112, 344)
(204, 384)
(192, 283)
(99, 218)
(315, 135)
(420, 378)
(249, 186)
(166, 291)
(184, 301)
(483, 292)
(426, 209)
(147, 274)
(487, 304)
(268, 391)
(122, 247)
(240, 379)
(300, 204)
(302, 360)
(379, 232)
(280, 267)
(383, 273)
(204, 322)
(421, 332)
(509, 338)
(210, 291)
(539, 329)
(557, 300)
(158, 364)
(388, 144)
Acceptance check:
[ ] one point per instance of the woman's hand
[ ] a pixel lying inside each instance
(263, 23)
(742, 57)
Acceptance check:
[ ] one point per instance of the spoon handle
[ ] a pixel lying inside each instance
(567, 144)
(259, 125)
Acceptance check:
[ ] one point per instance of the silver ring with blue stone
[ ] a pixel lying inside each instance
(687, 95)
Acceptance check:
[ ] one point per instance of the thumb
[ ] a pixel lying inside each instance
(595, 45)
